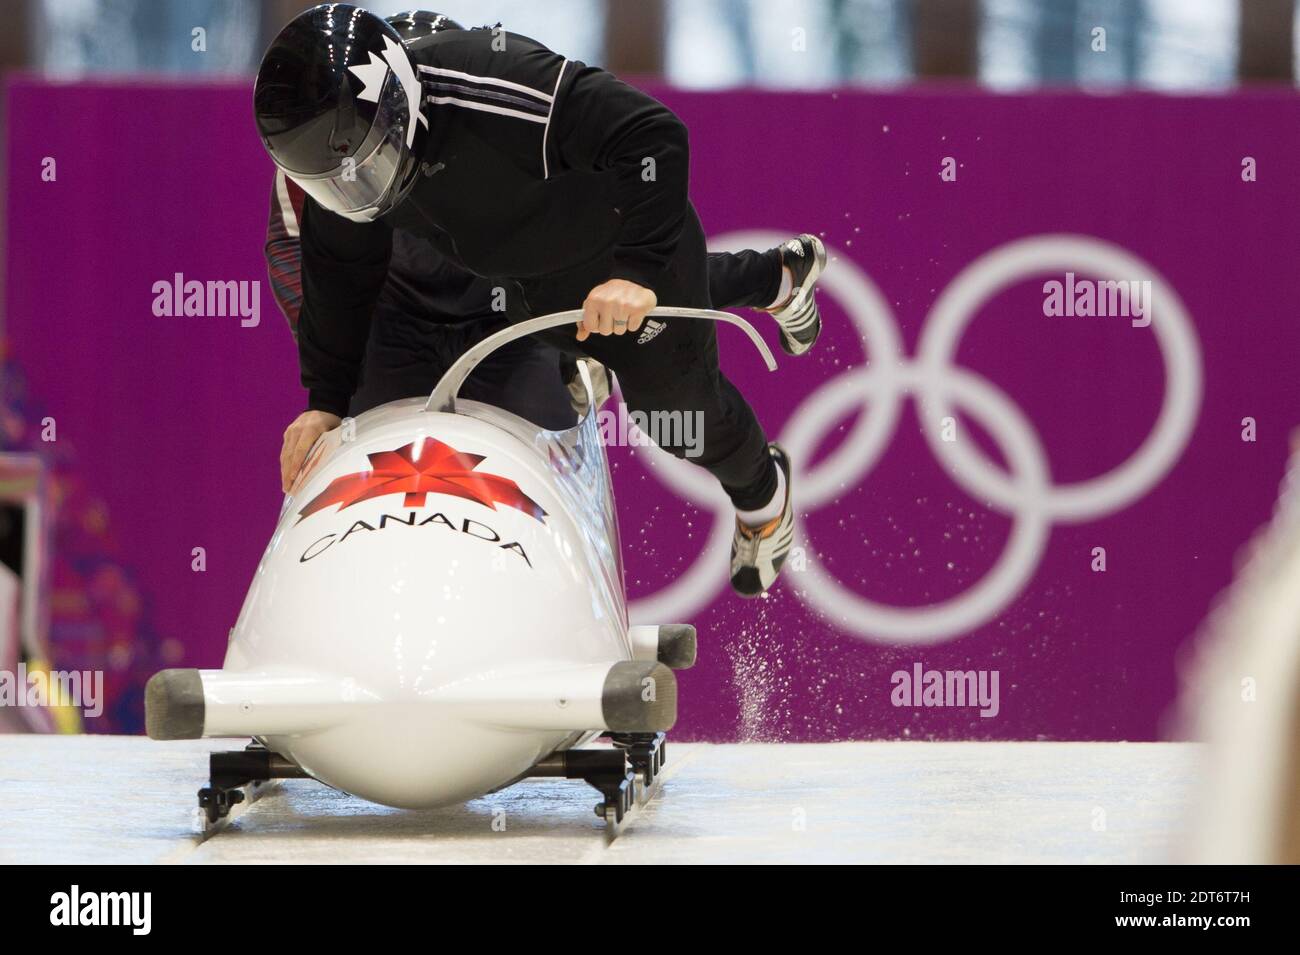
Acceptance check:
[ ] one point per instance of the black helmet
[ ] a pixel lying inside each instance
(417, 24)
(338, 108)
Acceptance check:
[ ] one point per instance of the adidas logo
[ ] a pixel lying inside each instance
(650, 330)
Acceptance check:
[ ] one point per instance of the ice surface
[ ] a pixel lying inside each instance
(129, 799)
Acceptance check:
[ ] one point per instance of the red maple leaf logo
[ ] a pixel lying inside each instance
(433, 468)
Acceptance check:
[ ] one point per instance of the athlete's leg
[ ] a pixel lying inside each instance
(670, 369)
(693, 411)
(780, 281)
(674, 373)
(407, 354)
(745, 279)
(522, 377)
(404, 354)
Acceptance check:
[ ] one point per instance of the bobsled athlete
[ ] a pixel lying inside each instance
(552, 180)
(429, 312)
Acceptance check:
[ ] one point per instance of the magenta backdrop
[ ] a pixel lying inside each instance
(176, 421)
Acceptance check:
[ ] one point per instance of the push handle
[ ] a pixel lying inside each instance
(448, 387)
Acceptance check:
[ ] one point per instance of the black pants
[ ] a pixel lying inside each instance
(745, 279)
(676, 369)
(407, 354)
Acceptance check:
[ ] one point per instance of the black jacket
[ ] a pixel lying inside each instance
(534, 165)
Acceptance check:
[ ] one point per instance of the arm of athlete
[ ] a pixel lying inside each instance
(600, 124)
(344, 265)
(283, 251)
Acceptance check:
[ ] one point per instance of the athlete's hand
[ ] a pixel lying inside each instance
(614, 308)
(298, 439)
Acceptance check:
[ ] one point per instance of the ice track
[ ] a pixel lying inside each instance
(102, 799)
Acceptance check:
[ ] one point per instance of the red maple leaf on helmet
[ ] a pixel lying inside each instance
(423, 467)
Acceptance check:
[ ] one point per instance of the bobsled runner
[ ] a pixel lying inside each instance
(441, 613)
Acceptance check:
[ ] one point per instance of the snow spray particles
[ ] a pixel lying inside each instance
(756, 674)
(760, 674)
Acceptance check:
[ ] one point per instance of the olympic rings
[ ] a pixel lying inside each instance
(1027, 495)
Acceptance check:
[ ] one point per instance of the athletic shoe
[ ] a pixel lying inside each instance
(799, 318)
(757, 553)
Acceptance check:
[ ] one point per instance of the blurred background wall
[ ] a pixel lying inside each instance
(1171, 45)
(1045, 51)
(1156, 44)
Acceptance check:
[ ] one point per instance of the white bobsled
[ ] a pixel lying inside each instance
(440, 612)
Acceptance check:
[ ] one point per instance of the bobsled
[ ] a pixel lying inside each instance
(441, 613)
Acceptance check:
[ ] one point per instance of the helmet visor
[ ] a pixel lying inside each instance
(357, 189)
